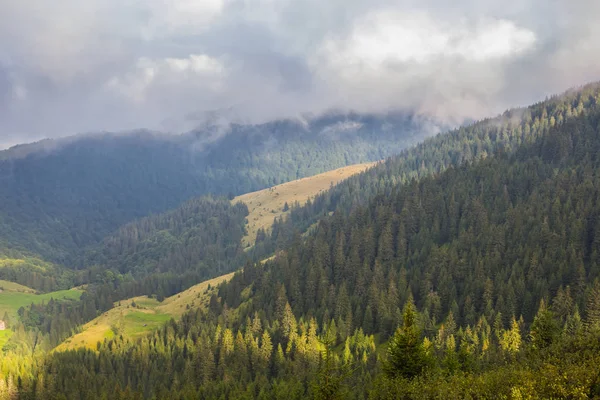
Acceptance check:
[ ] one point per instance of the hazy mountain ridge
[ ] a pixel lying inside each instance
(61, 196)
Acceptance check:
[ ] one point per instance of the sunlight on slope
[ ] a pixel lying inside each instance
(11, 301)
(7, 286)
(267, 204)
(138, 316)
(194, 297)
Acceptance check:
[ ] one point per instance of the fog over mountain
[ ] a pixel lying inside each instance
(72, 67)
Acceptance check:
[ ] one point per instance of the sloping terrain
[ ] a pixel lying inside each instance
(12, 300)
(267, 204)
(137, 316)
(493, 262)
(7, 286)
(60, 197)
(14, 296)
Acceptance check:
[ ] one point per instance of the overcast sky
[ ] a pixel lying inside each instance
(69, 66)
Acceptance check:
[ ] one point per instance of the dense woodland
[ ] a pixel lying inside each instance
(159, 256)
(505, 133)
(203, 235)
(60, 197)
(467, 267)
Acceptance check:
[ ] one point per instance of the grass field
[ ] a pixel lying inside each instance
(11, 301)
(140, 315)
(14, 287)
(267, 204)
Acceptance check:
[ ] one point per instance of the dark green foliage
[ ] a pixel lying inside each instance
(482, 228)
(406, 355)
(58, 197)
(202, 235)
(544, 329)
(504, 134)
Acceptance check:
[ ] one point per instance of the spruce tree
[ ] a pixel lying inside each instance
(406, 355)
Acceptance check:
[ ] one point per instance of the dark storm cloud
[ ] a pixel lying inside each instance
(71, 66)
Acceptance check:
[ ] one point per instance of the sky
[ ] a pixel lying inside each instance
(72, 66)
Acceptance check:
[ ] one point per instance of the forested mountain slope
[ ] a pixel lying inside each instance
(505, 133)
(267, 205)
(494, 262)
(158, 256)
(201, 236)
(57, 197)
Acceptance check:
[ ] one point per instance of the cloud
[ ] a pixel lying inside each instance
(148, 76)
(395, 37)
(72, 66)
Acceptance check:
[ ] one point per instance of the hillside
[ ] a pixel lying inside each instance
(135, 317)
(268, 204)
(61, 197)
(201, 236)
(33, 272)
(503, 134)
(14, 296)
(475, 263)
(7, 286)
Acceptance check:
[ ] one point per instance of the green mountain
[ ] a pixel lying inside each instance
(466, 267)
(60, 197)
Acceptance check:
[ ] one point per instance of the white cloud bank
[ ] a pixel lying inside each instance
(73, 66)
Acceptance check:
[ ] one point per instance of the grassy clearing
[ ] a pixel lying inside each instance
(7, 286)
(10, 302)
(111, 323)
(266, 205)
(138, 323)
(196, 296)
(139, 316)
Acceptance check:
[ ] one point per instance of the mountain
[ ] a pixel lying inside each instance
(463, 267)
(464, 270)
(60, 197)
(197, 240)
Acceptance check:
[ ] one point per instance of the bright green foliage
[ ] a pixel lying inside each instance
(330, 376)
(511, 339)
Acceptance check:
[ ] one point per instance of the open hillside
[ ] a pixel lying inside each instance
(135, 317)
(15, 296)
(478, 269)
(7, 286)
(268, 204)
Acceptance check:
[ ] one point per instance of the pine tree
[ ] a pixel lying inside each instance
(544, 328)
(593, 308)
(406, 355)
(330, 377)
(574, 325)
(510, 341)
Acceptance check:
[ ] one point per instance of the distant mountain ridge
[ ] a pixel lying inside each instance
(59, 196)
